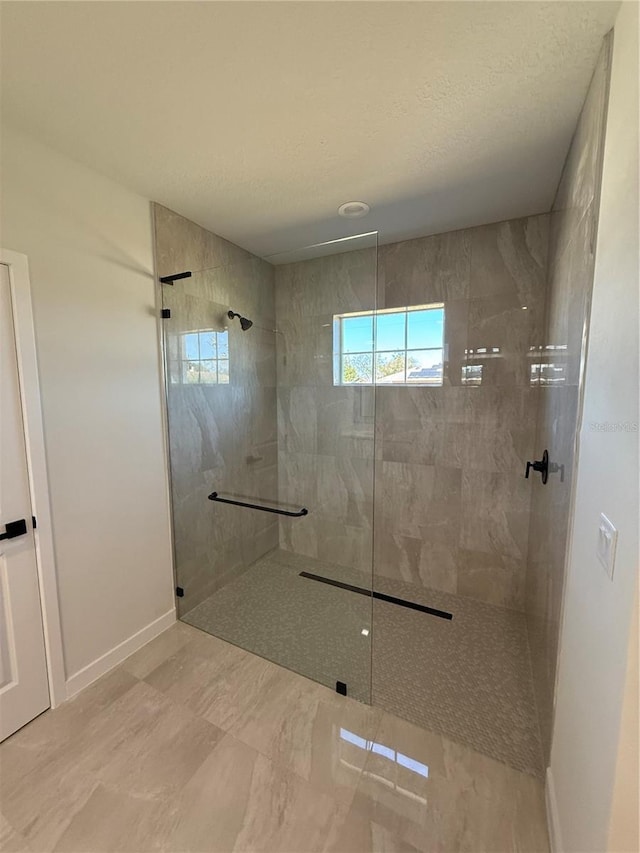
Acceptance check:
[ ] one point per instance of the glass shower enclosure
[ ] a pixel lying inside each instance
(271, 420)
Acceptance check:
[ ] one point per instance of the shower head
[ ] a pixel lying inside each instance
(245, 324)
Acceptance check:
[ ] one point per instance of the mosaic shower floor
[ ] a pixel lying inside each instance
(468, 678)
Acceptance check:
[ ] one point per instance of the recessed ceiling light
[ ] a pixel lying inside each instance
(353, 209)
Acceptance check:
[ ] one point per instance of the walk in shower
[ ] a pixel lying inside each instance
(349, 428)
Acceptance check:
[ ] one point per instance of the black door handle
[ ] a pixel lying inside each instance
(540, 465)
(14, 528)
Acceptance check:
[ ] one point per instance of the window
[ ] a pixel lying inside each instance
(400, 346)
(203, 358)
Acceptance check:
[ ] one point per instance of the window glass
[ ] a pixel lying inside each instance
(357, 334)
(390, 331)
(404, 346)
(425, 328)
(203, 358)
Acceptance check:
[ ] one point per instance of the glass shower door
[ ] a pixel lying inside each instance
(271, 441)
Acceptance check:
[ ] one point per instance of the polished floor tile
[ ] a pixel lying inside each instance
(468, 678)
(195, 745)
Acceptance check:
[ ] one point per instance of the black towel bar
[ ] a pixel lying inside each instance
(215, 497)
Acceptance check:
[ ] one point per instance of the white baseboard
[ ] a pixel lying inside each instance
(88, 674)
(553, 822)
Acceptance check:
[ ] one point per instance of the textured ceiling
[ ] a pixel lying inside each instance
(257, 120)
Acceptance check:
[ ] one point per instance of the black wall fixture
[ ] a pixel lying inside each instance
(541, 466)
(169, 279)
(214, 496)
(544, 467)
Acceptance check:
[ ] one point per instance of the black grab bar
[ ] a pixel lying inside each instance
(214, 497)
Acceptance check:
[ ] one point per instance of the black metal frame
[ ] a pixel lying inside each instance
(215, 497)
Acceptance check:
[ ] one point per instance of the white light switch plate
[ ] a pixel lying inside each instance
(607, 540)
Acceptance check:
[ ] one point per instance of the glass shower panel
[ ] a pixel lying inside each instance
(221, 402)
(272, 456)
(326, 435)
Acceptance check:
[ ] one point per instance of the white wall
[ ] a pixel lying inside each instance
(593, 683)
(89, 244)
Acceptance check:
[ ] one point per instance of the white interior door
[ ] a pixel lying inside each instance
(24, 690)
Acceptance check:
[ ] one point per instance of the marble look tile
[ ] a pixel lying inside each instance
(345, 490)
(500, 337)
(495, 513)
(324, 742)
(182, 243)
(158, 748)
(46, 776)
(299, 535)
(358, 832)
(581, 172)
(423, 563)
(240, 801)
(508, 260)
(50, 734)
(395, 788)
(333, 284)
(345, 421)
(344, 544)
(198, 678)
(10, 840)
(418, 500)
(573, 227)
(297, 419)
(305, 350)
(429, 269)
(410, 424)
(570, 277)
(113, 820)
(128, 766)
(42, 806)
(496, 578)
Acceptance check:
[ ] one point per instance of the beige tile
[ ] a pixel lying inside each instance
(432, 793)
(306, 728)
(199, 675)
(44, 802)
(239, 800)
(10, 840)
(128, 766)
(359, 833)
(159, 746)
(570, 279)
(47, 739)
(115, 821)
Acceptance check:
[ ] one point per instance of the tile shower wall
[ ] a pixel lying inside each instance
(573, 228)
(222, 436)
(325, 433)
(451, 502)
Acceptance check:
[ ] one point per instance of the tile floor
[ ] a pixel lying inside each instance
(195, 745)
(468, 678)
